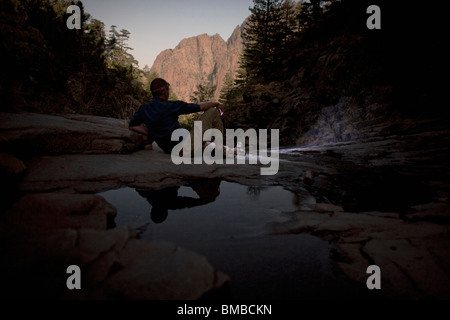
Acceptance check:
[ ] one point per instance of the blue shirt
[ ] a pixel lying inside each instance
(161, 119)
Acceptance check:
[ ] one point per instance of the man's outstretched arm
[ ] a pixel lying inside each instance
(208, 105)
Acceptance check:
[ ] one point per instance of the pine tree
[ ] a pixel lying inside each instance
(117, 49)
(227, 88)
(288, 23)
(204, 93)
(268, 30)
(309, 12)
(147, 77)
(51, 68)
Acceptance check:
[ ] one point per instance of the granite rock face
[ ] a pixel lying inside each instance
(198, 60)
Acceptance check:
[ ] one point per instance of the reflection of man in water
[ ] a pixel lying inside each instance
(164, 199)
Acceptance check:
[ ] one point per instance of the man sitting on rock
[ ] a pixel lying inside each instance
(158, 118)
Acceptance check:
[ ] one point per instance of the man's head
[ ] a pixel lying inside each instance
(159, 214)
(160, 88)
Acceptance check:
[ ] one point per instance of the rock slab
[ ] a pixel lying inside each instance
(28, 134)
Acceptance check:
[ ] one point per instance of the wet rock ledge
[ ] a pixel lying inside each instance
(51, 168)
(380, 200)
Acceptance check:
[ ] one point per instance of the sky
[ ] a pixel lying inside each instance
(157, 25)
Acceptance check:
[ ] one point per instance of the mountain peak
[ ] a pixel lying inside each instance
(202, 59)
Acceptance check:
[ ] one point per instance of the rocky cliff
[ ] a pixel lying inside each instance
(199, 59)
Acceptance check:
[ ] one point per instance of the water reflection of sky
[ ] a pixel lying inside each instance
(231, 229)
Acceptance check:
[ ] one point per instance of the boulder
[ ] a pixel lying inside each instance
(11, 172)
(37, 213)
(28, 134)
(113, 265)
(43, 234)
(10, 166)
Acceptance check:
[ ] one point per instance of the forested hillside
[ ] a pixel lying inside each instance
(300, 58)
(49, 68)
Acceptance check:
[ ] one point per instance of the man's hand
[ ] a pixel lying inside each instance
(220, 108)
(142, 129)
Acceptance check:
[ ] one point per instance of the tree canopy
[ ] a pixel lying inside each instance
(52, 69)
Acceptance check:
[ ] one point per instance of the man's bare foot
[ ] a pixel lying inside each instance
(230, 152)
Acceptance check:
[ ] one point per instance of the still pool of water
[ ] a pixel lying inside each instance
(230, 225)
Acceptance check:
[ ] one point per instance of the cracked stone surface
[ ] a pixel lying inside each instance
(412, 255)
(29, 134)
(382, 201)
